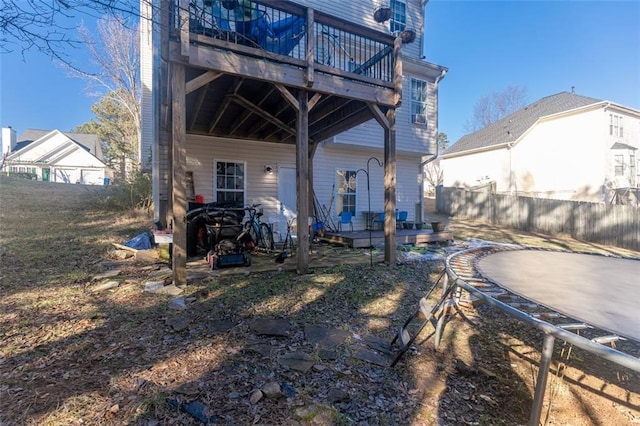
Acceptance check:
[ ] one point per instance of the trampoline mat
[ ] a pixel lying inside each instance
(601, 291)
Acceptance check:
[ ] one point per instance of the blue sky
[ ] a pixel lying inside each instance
(545, 46)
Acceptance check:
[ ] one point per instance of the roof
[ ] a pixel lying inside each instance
(89, 141)
(511, 127)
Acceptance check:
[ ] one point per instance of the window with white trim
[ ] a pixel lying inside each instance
(615, 126)
(347, 190)
(229, 181)
(632, 167)
(418, 101)
(618, 168)
(398, 16)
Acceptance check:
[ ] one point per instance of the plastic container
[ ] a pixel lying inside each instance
(199, 199)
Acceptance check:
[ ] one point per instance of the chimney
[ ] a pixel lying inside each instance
(8, 140)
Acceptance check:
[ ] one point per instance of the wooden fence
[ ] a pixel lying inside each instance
(616, 225)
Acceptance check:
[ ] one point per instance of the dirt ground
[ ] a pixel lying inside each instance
(82, 343)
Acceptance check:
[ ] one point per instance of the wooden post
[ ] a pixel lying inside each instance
(390, 189)
(302, 181)
(179, 137)
(310, 48)
(183, 14)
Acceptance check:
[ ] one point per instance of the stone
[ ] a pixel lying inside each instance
(272, 390)
(107, 274)
(338, 395)
(153, 286)
(178, 304)
(271, 327)
(260, 348)
(170, 289)
(371, 357)
(178, 323)
(325, 338)
(189, 388)
(256, 396)
(378, 344)
(298, 361)
(106, 285)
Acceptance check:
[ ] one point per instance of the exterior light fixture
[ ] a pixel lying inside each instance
(382, 14)
(268, 170)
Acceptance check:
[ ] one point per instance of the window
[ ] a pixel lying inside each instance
(618, 164)
(632, 167)
(615, 126)
(418, 101)
(346, 184)
(398, 16)
(229, 182)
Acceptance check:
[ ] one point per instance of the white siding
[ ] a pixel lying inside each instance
(263, 188)
(471, 170)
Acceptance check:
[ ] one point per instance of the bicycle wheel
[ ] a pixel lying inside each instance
(254, 232)
(267, 236)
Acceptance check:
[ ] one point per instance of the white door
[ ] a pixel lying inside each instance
(286, 197)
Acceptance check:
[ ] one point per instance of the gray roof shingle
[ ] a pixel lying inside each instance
(89, 141)
(511, 127)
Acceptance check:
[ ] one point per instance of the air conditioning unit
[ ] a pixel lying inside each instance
(419, 118)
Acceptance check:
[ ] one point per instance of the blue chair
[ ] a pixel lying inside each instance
(345, 217)
(401, 218)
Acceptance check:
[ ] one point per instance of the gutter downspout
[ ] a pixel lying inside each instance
(434, 156)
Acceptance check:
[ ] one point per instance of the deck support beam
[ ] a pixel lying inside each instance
(302, 181)
(179, 139)
(390, 189)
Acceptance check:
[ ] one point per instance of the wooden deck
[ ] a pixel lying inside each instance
(360, 239)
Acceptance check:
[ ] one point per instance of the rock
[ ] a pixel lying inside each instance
(371, 357)
(178, 323)
(272, 390)
(337, 395)
(271, 327)
(325, 338)
(106, 285)
(170, 289)
(114, 409)
(189, 388)
(298, 361)
(178, 304)
(256, 396)
(107, 274)
(153, 286)
(288, 390)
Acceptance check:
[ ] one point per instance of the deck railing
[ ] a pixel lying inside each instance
(279, 31)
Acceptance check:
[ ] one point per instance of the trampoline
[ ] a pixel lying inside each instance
(601, 291)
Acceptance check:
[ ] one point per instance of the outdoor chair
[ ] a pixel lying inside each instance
(401, 217)
(345, 217)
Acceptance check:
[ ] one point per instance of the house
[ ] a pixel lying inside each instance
(328, 109)
(565, 146)
(54, 156)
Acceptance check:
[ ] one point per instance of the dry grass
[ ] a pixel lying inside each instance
(72, 356)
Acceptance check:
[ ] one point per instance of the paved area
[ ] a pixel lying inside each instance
(601, 291)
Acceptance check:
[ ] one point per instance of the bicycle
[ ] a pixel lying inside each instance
(288, 245)
(261, 233)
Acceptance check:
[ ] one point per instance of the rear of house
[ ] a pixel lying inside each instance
(346, 167)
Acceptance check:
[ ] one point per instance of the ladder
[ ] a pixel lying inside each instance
(425, 313)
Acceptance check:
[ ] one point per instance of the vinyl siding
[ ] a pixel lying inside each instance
(263, 188)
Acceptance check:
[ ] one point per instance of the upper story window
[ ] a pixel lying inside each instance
(615, 125)
(346, 186)
(229, 182)
(398, 16)
(418, 101)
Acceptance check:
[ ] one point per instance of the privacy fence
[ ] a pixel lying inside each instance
(615, 225)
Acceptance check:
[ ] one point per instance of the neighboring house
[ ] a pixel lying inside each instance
(563, 146)
(260, 114)
(55, 156)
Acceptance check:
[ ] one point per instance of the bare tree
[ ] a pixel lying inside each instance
(116, 61)
(493, 107)
(434, 175)
(49, 26)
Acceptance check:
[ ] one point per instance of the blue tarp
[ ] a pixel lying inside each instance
(140, 242)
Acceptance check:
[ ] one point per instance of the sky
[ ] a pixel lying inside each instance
(545, 46)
